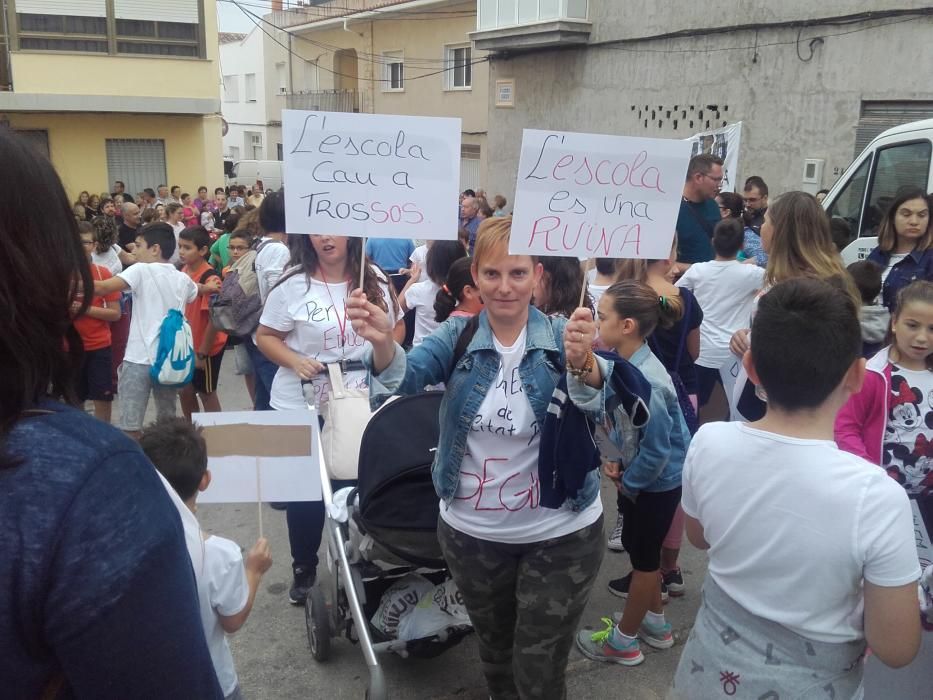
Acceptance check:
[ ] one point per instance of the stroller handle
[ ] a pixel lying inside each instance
(327, 493)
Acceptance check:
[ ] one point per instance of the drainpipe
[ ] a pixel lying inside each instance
(7, 44)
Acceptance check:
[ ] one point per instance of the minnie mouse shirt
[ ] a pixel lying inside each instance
(908, 434)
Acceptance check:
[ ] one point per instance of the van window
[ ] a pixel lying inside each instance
(848, 204)
(233, 170)
(896, 167)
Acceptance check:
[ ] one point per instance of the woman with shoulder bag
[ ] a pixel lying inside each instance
(303, 329)
(524, 571)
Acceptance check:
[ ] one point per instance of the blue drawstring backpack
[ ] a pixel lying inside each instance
(174, 362)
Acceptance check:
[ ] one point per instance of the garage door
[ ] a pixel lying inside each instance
(140, 163)
(881, 116)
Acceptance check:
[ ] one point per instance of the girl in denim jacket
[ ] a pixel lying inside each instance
(649, 484)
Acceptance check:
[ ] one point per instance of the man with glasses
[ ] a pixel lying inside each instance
(756, 203)
(699, 212)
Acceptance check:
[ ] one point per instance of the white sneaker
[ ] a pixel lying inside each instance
(615, 539)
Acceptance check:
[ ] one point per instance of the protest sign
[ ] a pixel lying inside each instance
(590, 195)
(260, 456)
(723, 143)
(371, 175)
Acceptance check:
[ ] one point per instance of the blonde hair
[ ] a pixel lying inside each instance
(802, 244)
(492, 238)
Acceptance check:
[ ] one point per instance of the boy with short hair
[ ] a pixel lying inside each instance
(96, 380)
(812, 549)
(874, 317)
(179, 453)
(156, 287)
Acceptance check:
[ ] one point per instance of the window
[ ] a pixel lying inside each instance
(140, 163)
(250, 88)
(253, 142)
(469, 165)
(848, 204)
(39, 138)
(282, 76)
(458, 62)
(168, 28)
(279, 152)
(896, 167)
(394, 71)
(234, 156)
(231, 88)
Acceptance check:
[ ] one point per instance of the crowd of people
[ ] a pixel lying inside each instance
(819, 450)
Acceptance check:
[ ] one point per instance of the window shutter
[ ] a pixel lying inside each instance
(877, 117)
(163, 11)
(140, 163)
(74, 8)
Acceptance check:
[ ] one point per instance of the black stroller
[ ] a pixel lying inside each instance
(390, 532)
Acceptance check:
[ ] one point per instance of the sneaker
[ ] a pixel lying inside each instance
(597, 646)
(674, 580)
(619, 587)
(657, 636)
(303, 581)
(615, 539)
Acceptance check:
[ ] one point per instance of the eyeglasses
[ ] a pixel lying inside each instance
(714, 179)
(722, 208)
(87, 243)
(237, 248)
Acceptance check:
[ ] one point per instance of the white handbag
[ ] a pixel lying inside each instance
(346, 415)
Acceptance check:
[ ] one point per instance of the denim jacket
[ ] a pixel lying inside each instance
(658, 464)
(917, 265)
(468, 384)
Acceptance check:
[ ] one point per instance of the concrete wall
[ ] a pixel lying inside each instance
(421, 39)
(77, 146)
(791, 109)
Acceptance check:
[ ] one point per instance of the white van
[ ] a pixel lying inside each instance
(899, 157)
(247, 172)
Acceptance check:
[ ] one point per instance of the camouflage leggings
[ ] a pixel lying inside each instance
(525, 602)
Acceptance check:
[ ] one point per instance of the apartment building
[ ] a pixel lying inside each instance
(409, 57)
(115, 89)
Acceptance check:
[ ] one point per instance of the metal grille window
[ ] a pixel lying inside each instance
(140, 163)
(876, 117)
(39, 138)
(469, 166)
(459, 73)
(394, 71)
(167, 28)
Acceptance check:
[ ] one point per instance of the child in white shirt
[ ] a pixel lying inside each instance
(725, 290)
(157, 287)
(228, 585)
(811, 549)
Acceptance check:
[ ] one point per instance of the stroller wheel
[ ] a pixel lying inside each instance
(317, 621)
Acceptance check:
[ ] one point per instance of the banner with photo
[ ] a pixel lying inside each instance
(724, 143)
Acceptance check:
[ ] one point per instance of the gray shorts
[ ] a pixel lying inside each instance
(241, 362)
(133, 386)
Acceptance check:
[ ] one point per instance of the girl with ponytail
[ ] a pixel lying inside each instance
(459, 296)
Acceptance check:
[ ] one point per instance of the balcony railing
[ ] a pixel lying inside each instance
(496, 14)
(327, 100)
(306, 14)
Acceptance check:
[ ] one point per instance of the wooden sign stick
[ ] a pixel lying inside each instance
(586, 270)
(363, 263)
(259, 497)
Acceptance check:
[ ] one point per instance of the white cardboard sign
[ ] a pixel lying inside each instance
(371, 175)
(261, 456)
(599, 196)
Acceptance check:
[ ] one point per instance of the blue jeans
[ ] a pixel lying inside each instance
(264, 370)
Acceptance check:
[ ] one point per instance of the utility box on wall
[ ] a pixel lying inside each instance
(812, 179)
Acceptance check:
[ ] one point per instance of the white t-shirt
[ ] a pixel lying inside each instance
(725, 290)
(227, 594)
(420, 256)
(314, 315)
(156, 288)
(795, 525)
(110, 259)
(270, 262)
(498, 497)
(420, 296)
(895, 259)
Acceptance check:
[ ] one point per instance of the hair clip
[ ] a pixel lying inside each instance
(446, 291)
(662, 301)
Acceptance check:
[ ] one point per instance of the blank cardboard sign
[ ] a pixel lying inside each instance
(260, 456)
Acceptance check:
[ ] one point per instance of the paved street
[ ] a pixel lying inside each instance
(274, 662)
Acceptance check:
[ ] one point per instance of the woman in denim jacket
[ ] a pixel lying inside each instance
(525, 571)
(905, 244)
